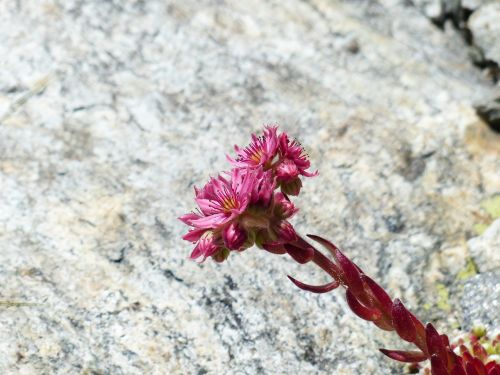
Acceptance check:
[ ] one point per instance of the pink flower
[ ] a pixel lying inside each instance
(294, 159)
(284, 208)
(286, 232)
(263, 189)
(206, 246)
(234, 236)
(260, 152)
(231, 207)
(240, 207)
(287, 171)
(221, 200)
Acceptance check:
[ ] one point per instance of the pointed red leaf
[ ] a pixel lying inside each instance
(445, 340)
(458, 370)
(315, 288)
(361, 310)
(479, 351)
(333, 269)
(471, 369)
(481, 370)
(434, 342)
(420, 340)
(352, 276)
(383, 324)
(495, 371)
(330, 246)
(300, 255)
(402, 321)
(437, 366)
(379, 294)
(492, 365)
(405, 356)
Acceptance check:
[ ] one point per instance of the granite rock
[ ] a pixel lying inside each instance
(480, 301)
(485, 26)
(485, 249)
(111, 111)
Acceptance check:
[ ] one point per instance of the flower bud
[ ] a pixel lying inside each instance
(221, 255)
(287, 171)
(206, 246)
(234, 236)
(263, 190)
(285, 232)
(284, 209)
(291, 187)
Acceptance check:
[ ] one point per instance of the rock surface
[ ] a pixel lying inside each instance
(485, 26)
(111, 111)
(480, 302)
(485, 249)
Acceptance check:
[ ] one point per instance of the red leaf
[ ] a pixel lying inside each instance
(471, 369)
(458, 370)
(315, 288)
(479, 351)
(330, 246)
(445, 340)
(437, 366)
(383, 324)
(494, 371)
(435, 343)
(379, 294)
(420, 329)
(402, 321)
(405, 356)
(481, 370)
(352, 276)
(336, 271)
(361, 310)
(298, 254)
(492, 365)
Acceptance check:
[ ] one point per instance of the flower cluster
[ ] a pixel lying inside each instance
(250, 204)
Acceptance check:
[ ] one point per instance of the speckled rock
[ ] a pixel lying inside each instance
(111, 111)
(485, 26)
(485, 249)
(480, 302)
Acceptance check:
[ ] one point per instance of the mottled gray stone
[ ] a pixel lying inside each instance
(485, 26)
(480, 302)
(111, 111)
(485, 249)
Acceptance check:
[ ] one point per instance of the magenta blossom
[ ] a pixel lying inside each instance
(222, 199)
(294, 157)
(259, 153)
(285, 158)
(242, 208)
(234, 212)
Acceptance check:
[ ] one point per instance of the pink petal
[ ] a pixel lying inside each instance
(194, 234)
(212, 221)
(207, 206)
(188, 218)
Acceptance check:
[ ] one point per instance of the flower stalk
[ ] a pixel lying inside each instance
(251, 205)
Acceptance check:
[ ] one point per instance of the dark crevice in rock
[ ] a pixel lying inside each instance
(453, 11)
(490, 113)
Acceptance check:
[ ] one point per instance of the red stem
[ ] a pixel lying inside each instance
(336, 273)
